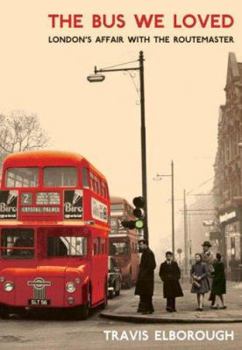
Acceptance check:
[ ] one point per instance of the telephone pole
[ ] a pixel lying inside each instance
(172, 208)
(186, 243)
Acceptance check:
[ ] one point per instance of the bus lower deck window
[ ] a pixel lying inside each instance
(66, 246)
(17, 243)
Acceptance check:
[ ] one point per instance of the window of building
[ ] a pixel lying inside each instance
(232, 243)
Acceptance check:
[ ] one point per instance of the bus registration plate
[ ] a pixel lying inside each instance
(41, 302)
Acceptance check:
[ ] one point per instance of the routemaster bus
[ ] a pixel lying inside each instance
(54, 209)
(123, 243)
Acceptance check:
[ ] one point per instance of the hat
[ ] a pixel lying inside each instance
(206, 244)
(169, 252)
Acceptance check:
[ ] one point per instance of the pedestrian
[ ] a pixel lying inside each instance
(219, 281)
(170, 274)
(200, 283)
(208, 259)
(145, 281)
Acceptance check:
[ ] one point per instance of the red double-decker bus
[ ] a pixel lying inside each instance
(54, 209)
(123, 243)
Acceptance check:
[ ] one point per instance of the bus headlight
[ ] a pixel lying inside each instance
(8, 286)
(70, 287)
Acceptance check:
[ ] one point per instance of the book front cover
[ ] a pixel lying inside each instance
(120, 185)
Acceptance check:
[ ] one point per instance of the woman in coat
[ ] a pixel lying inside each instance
(200, 283)
(219, 281)
(170, 275)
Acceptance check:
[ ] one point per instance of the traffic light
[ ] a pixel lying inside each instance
(139, 213)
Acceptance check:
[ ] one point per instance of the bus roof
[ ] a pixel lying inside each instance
(115, 199)
(46, 158)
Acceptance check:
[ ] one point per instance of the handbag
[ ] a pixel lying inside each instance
(196, 284)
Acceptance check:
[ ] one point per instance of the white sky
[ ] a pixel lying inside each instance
(183, 85)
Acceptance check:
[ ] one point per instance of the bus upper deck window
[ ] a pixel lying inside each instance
(60, 176)
(85, 180)
(22, 177)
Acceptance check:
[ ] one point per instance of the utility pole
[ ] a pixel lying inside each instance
(143, 143)
(99, 78)
(186, 243)
(172, 208)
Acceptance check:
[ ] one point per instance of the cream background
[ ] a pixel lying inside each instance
(184, 88)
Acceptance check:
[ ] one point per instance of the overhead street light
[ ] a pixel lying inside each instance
(97, 77)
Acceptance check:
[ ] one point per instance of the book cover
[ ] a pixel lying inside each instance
(121, 192)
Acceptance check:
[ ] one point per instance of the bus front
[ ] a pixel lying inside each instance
(45, 241)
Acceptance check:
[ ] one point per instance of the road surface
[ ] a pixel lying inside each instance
(55, 332)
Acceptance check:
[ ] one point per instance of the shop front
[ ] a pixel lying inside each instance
(230, 222)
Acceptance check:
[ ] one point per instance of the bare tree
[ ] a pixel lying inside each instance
(21, 132)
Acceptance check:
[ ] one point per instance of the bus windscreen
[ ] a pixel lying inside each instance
(118, 248)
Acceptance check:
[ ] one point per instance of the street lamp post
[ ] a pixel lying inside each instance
(186, 262)
(97, 77)
(172, 208)
(171, 175)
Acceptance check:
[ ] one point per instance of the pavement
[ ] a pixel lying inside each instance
(125, 310)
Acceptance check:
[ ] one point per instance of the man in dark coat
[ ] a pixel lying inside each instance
(170, 275)
(145, 281)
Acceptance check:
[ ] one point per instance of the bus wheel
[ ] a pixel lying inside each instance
(117, 287)
(129, 282)
(110, 294)
(105, 302)
(82, 312)
(4, 313)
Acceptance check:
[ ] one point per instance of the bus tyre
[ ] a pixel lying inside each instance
(105, 301)
(129, 282)
(117, 288)
(82, 312)
(110, 294)
(4, 313)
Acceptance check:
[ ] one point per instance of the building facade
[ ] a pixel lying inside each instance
(228, 167)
